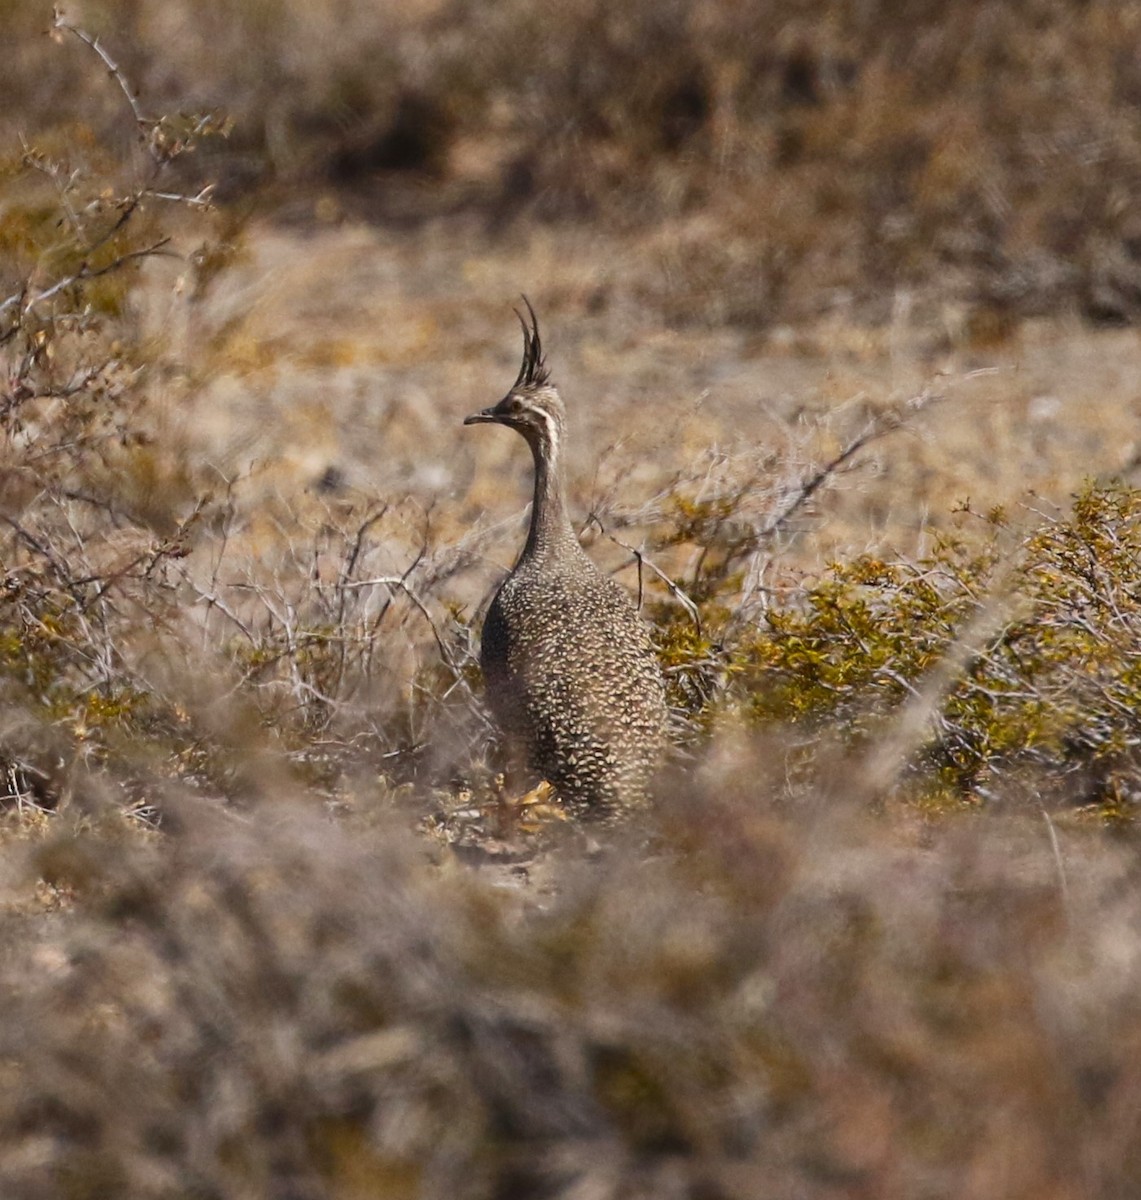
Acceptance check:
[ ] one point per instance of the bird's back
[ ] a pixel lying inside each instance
(572, 677)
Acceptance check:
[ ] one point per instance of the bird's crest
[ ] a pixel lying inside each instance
(533, 372)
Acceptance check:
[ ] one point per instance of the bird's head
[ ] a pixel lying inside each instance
(532, 406)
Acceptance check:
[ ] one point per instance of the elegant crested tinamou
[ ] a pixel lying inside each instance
(569, 669)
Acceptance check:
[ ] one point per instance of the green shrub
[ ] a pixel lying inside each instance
(1051, 695)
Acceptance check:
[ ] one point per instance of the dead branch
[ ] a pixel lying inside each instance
(879, 426)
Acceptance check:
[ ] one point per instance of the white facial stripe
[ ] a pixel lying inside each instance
(550, 426)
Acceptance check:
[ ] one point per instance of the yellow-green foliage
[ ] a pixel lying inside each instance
(52, 666)
(1055, 690)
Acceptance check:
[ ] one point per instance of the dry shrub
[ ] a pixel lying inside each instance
(803, 1006)
(146, 622)
(96, 507)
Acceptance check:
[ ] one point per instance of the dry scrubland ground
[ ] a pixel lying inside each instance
(358, 352)
(879, 936)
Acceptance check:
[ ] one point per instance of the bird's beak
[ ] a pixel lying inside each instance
(483, 417)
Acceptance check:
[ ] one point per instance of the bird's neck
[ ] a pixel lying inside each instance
(551, 534)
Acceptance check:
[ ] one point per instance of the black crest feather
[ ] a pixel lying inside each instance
(533, 372)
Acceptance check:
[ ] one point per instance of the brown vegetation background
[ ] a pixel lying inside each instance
(774, 161)
(843, 301)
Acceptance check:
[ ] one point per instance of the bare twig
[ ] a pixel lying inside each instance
(58, 567)
(61, 23)
(1059, 862)
(204, 199)
(879, 426)
(642, 558)
(85, 272)
(399, 584)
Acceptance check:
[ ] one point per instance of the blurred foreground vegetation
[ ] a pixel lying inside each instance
(268, 927)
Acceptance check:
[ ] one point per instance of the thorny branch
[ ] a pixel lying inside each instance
(399, 584)
(643, 559)
(61, 24)
(793, 501)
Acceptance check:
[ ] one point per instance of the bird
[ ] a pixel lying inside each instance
(569, 668)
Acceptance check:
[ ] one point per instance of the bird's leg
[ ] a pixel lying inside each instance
(538, 807)
(526, 813)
